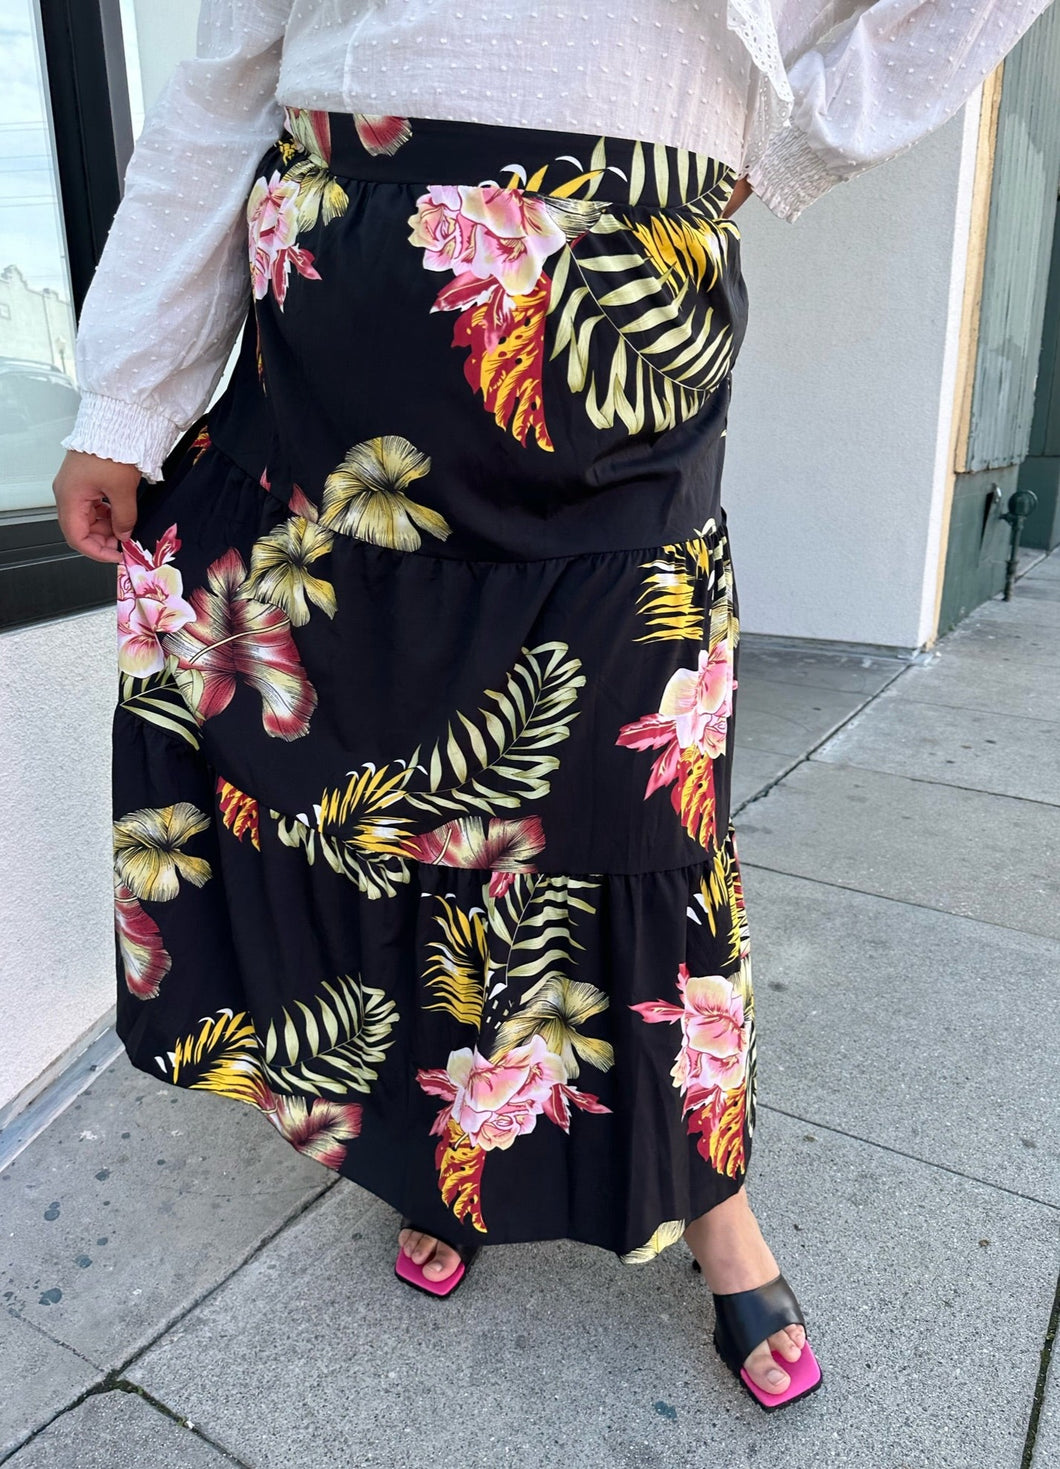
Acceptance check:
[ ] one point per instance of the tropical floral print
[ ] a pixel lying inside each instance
(289, 201)
(496, 242)
(490, 1104)
(503, 846)
(310, 132)
(319, 193)
(494, 1102)
(644, 282)
(147, 850)
(365, 496)
(382, 134)
(557, 1008)
(363, 830)
(689, 593)
(710, 1069)
(272, 220)
(666, 1235)
(223, 1057)
(149, 864)
(537, 1037)
(236, 638)
(184, 657)
(293, 198)
(690, 730)
(321, 1130)
(715, 1068)
(239, 812)
(142, 955)
(281, 569)
(329, 1047)
(149, 604)
(326, 1049)
(382, 867)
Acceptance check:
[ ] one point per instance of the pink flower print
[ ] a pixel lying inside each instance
(494, 1102)
(487, 233)
(440, 229)
(714, 1036)
(690, 728)
(516, 237)
(149, 603)
(496, 242)
(699, 701)
(272, 218)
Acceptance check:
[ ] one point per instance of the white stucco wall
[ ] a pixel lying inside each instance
(843, 396)
(57, 687)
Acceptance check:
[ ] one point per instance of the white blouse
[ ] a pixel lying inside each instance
(796, 94)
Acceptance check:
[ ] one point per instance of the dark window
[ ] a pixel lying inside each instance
(60, 182)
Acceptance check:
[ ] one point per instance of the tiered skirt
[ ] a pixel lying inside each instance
(428, 649)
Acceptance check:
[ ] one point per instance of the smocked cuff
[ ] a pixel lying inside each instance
(114, 429)
(790, 175)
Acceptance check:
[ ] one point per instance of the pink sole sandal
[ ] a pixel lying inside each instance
(412, 1274)
(743, 1319)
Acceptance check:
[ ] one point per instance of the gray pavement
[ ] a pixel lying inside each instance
(186, 1291)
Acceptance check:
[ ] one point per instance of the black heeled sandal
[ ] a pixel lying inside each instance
(745, 1318)
(412, 1274)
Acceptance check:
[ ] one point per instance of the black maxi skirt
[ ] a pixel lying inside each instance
(427, 656)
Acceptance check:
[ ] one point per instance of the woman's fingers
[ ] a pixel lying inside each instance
(91, 530)
(741, 190)
(96, 500)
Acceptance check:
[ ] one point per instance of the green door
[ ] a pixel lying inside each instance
(1019, 253)
(1040, 471)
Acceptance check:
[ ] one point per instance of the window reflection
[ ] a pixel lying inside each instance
(38, 395)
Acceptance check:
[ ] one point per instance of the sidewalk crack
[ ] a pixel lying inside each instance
(870, 1142)
(1040, 1385)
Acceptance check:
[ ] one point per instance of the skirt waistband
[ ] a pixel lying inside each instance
(573, 165)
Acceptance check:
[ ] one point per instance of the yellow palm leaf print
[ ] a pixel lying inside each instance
(456, 969)
(222, 1056)
(674, 597)
(666, 1235)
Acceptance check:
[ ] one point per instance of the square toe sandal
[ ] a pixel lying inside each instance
(743, 1319)
(412, 1274)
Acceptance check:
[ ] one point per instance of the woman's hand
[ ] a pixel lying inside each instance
(740, 191)
(97, 503)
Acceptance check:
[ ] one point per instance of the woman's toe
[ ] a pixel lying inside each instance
(764, 1370)
(444, 1263)
(422, 1248)
(407, 1240)
(789, 1342)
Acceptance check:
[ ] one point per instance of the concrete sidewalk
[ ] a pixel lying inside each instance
(186, 1291)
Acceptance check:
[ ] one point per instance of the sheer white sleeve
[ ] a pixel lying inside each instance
(877, 82)
(170, 290)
